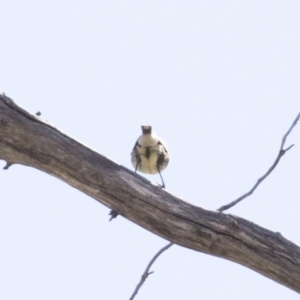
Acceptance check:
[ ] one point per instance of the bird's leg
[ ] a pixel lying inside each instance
(136, 166)
(163, 184)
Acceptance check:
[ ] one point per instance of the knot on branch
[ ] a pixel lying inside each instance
(145, 275)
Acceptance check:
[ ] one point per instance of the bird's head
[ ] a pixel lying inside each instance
(146, 129)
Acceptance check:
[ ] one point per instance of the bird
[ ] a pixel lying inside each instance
(150, 154)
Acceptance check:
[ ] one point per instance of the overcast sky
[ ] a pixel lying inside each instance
(219, 81)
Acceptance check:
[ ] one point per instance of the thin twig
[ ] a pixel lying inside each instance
(259, 181)
(8, 164)
(147, 273)
(113, 214)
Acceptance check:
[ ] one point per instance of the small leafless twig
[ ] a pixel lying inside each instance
(8, 164)
(147, 273)
(280, 154)
(113, 214)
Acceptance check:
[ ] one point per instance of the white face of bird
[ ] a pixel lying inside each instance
(148, 138)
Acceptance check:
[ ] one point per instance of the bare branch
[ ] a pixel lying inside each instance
(147, 273)
(261, 179)
(25, 139)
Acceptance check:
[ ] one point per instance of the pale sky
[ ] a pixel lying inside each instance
(219, 81)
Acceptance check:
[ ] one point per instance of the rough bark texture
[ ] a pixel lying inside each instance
(26, 140)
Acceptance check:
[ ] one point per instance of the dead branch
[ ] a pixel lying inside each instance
(225, 207)
(261, 179)
(146, 272)
(26, 140)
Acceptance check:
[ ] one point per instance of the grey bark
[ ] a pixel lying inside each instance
(26, 140)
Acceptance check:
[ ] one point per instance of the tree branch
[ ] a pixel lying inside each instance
(261, 179)
(147, 273)
(26, 140)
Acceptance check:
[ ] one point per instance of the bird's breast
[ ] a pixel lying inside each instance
(148, 158)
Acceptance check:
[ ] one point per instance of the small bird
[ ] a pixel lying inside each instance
(149, 154)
